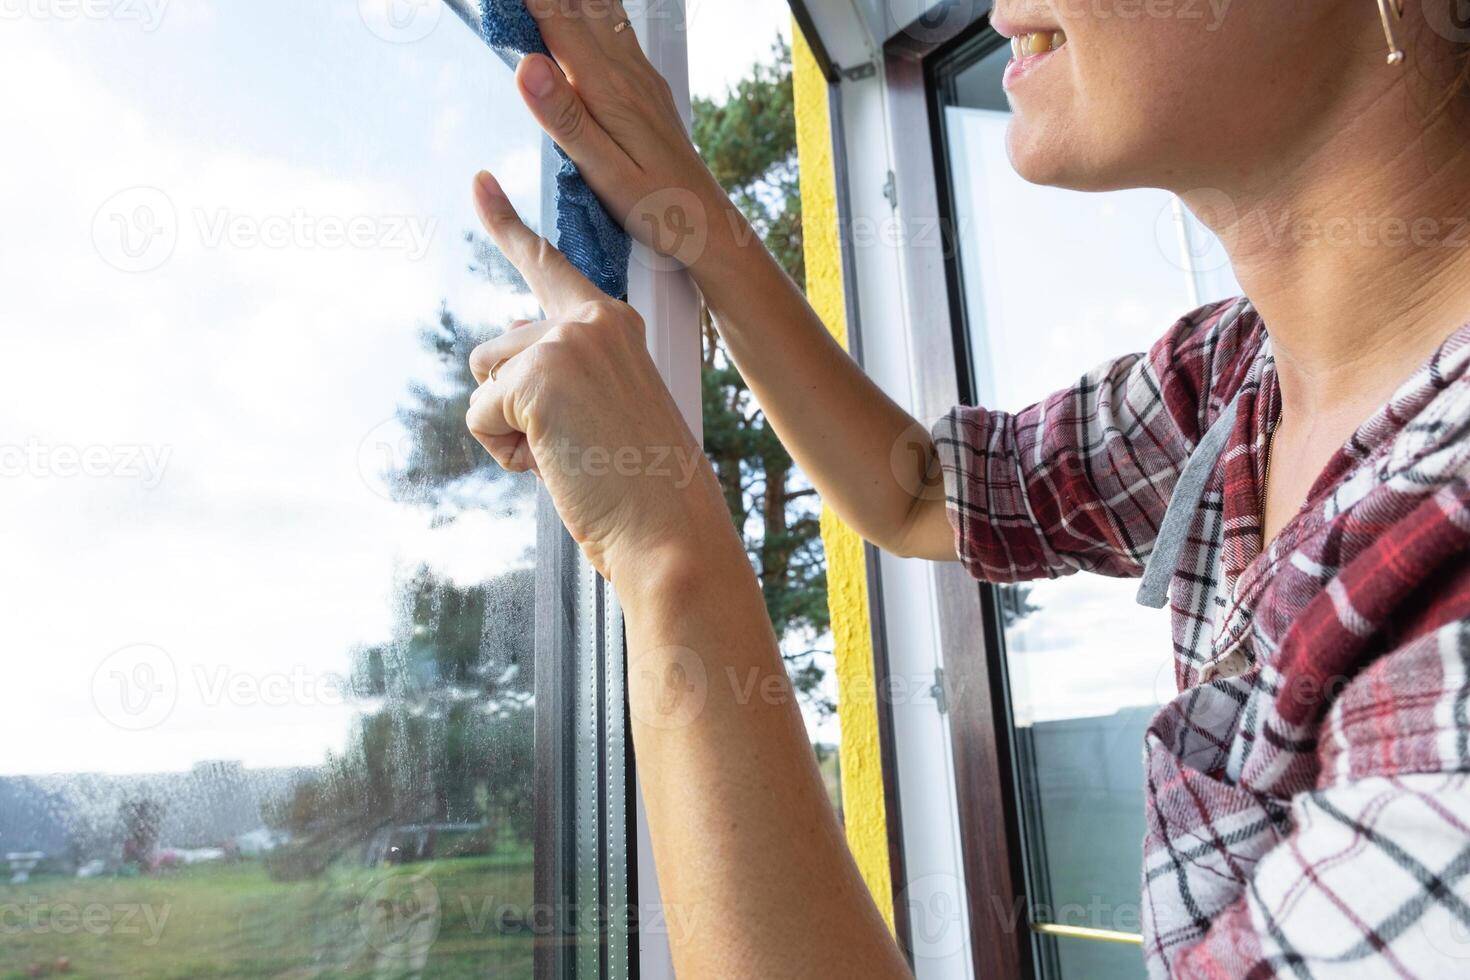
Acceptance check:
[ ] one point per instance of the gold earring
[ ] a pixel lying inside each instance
(1392, 12)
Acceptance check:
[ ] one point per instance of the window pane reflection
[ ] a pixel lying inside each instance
(269, 613)
(1056, 283)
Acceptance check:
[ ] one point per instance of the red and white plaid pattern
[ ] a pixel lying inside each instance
(1308, 790)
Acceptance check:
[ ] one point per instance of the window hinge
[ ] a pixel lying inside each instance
(940, 691)
(890, 190)
(859, 72)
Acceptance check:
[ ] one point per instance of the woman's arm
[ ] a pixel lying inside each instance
(751, 858)
(607, 107)
(755, 875)
(868, 458)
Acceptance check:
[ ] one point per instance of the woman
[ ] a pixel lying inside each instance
(1308, 806)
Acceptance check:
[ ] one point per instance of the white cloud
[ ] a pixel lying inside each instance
(259, 368)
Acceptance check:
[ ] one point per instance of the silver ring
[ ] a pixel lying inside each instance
(496, 369)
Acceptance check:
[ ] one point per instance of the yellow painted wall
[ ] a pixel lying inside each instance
(847, 583)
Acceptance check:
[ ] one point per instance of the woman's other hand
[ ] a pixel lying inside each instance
(577, 399)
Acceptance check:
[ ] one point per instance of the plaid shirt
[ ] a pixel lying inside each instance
(1308, 790)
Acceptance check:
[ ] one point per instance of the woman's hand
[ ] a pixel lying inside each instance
(577, 399)
(615, 116)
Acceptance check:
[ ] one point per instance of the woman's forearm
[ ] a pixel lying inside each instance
(867, 457)
(755, 875)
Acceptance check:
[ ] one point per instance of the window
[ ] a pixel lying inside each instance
(292, 669)
(1054, 283)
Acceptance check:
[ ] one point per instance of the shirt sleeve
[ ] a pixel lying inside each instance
(1081, 480)
(1374, 877)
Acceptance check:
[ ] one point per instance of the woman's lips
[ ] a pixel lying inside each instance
(1029, 52)
(1019, 68)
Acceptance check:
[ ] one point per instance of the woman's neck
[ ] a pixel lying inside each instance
(1357, 254)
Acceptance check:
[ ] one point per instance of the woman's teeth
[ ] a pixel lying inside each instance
(1037, 43)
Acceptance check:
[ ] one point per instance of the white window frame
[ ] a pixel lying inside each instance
(669, 303)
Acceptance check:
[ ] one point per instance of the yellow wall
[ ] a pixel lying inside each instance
(847, 584)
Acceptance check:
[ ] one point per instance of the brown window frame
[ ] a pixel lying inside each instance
(996, 862)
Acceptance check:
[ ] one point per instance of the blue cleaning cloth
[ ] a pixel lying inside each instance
(588, 235)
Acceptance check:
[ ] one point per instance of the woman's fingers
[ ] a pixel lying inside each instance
(522, 334)
(562, 113)
(505, 450)
(583, 34)
(554, 281)
(491, 424)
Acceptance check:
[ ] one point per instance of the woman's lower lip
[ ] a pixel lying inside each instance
(1019, 68)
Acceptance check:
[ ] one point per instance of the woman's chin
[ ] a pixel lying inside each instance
(1045, 155)
(1037, 158)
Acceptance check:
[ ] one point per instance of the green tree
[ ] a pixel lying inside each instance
(748, 140)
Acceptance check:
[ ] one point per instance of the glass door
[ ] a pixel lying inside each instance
(1052, 284)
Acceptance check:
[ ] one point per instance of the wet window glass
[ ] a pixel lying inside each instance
(268, 625)
(1054, 284)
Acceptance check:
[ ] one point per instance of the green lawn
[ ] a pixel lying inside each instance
(454, 918)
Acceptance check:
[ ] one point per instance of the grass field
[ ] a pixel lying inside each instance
(454, 919)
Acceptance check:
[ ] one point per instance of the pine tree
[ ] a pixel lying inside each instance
(748, 140)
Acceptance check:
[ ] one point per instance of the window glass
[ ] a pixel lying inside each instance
(740, 76)
(268, 624)
(1055, 283)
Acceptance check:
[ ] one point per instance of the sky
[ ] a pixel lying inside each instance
(225, 229)
(225, 226)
